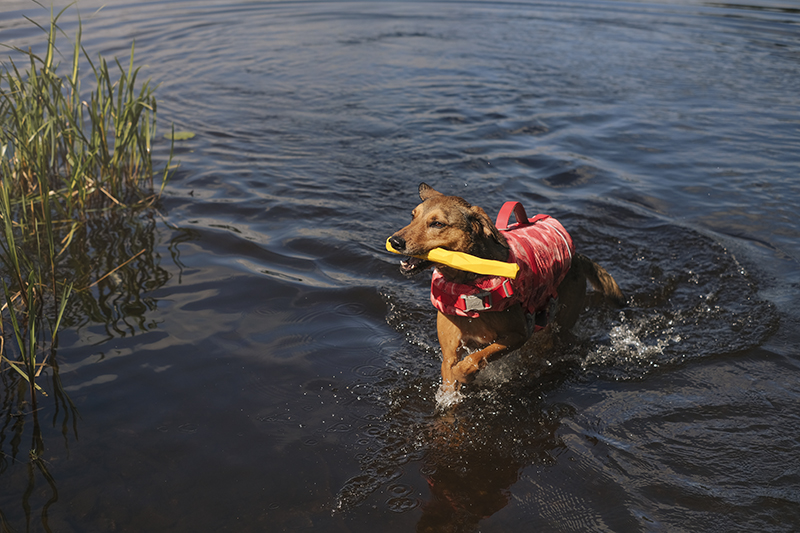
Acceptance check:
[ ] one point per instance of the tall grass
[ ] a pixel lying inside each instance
(67, 157)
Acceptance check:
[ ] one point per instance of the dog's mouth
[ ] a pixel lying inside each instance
(413, 265)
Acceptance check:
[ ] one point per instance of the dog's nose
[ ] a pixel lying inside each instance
(398, 243)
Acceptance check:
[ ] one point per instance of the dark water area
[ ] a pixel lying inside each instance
(277, 373)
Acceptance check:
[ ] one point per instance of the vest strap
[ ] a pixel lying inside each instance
(483, 301)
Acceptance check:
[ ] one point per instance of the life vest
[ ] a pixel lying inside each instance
(540, 246)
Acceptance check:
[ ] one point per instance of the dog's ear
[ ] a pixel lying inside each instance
(426, 191)
(483, 225)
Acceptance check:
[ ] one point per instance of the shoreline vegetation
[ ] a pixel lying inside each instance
(72, 163)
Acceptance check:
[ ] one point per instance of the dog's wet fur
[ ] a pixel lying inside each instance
(468, 344)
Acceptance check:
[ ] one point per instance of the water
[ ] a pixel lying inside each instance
(263, 366)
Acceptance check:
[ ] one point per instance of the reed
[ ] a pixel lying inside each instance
(67, 157)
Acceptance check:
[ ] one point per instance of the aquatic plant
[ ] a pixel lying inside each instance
(67, 160)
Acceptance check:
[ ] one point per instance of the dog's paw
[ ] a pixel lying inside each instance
(465, 370)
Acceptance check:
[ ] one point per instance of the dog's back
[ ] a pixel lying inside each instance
(543, 250)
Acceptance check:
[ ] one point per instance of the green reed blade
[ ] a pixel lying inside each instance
(14, 323)
(64, 297)
(64, 159)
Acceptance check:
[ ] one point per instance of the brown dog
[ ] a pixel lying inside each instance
(469, 342)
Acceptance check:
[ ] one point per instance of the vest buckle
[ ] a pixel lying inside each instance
(480, 301)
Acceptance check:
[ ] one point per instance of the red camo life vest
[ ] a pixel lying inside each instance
(540, 246)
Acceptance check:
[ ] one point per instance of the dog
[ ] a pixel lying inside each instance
(487, 322)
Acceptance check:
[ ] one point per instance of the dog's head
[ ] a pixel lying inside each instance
(448, 222)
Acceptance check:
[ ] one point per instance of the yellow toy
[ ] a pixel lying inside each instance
(469, 263)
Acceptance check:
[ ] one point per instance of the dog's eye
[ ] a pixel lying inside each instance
(436, 224)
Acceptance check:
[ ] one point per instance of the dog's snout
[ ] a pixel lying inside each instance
(398, 243)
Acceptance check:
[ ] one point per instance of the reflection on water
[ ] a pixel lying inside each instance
(116, 263)
(113, 263)
(263, 366)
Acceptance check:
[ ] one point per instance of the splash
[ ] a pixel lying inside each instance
(446, 399)
(641, 342)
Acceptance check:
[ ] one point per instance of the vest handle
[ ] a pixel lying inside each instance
(519, 213)
(505, 214)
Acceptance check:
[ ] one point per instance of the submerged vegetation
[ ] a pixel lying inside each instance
(73, 163)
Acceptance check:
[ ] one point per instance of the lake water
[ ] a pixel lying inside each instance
(263, 366)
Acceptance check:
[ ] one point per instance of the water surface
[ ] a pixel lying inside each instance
(277, 373)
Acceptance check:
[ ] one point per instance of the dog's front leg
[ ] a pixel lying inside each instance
(464, 371)
(498, 333)
(452, 345)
